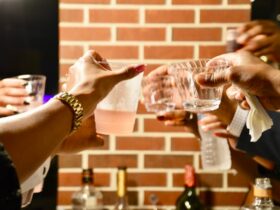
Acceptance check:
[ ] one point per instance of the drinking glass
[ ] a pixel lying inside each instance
(35, 86)
(116, 113)
(159, 93)
(194, 97)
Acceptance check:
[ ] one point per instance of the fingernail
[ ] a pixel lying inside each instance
(140, 68)
(26, 102)
(24, 84)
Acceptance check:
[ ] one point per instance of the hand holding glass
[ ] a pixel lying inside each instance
(35, 86)
(196, 98)
(116, 113)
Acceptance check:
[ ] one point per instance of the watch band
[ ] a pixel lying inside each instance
(75, 106)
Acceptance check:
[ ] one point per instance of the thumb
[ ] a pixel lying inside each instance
(213, 79)
(127, 73)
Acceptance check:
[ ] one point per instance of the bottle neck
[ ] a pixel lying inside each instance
(121, 184)
(263, 197)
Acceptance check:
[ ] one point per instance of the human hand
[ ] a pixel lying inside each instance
(12, 94)
(91, 82)
(249, 74)
(261, 37)
(160, 84)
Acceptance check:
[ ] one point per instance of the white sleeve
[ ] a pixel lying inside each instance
(34, 182)
(238, 121)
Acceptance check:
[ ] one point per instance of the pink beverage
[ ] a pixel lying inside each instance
(114, 122)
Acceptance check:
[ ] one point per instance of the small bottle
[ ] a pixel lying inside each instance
(87, 198)
(262, 196)
(215, 152)
(122, 203)
(189, 200)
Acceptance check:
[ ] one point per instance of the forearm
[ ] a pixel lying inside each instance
(33, 138)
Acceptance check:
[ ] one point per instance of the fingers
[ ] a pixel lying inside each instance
(12, 82)
(217, 79)
(6, 111)
(126, 73)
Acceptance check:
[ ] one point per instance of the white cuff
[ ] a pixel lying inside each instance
(36, 179)
(239, 119)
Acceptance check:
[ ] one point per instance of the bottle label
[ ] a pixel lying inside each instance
(264, 193)
(189, 176)
(91, 202)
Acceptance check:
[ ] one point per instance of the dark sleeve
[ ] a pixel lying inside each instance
(10, 195)
(268, 146)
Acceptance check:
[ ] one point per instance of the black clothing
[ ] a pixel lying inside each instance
(10, 195)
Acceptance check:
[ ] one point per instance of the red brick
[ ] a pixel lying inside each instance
(164, 198)
(168, 52)
(239, 2)
(185, 144)
(167, 161)
(64, 197)
(222, 198)
(70, 52)
(140, 34)
(225, 16)
(113, 16)
(146, 179)
(197, 34)
(153, 125)
(211, 51)
(110, 198)
(117, 52)
(112, 161)
(202, 180)
(71, 15)
(70, 161)
(198, 2)
(169, 16)
(86, 1)
(140, 143)
(140, 1)
(63, 69)
(75, 179)
(84, 34)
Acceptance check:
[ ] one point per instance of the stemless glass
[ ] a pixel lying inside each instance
(35, 86)
(116, 113)
(194, 97)
(159, 93)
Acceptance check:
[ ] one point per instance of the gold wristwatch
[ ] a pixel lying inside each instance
(75, 106)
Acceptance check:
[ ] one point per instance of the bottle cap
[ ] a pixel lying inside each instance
(189, 176)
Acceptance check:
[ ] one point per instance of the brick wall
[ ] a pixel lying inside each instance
(154, 32)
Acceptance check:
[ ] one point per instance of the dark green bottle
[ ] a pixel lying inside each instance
(189, 200)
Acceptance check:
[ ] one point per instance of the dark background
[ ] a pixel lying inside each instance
(29, 44)
(29, 39)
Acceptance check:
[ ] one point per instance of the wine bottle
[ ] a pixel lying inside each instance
(88, 197)
(262, 196)
(122, 203)
(189, 200)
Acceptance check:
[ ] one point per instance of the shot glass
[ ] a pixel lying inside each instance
(159, 93)
(35, 86)
(194, 97)
(116, 113)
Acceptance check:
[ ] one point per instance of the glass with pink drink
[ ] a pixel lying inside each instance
(116, 113)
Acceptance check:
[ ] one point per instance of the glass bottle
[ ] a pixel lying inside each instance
(87, 198)
(262, 196)
(189, 200)
(122, 203)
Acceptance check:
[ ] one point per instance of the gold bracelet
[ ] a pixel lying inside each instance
(75, 106)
